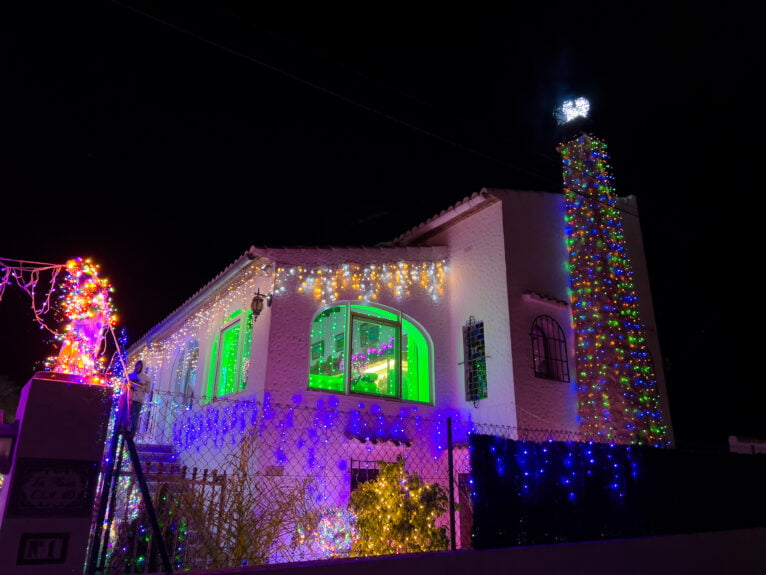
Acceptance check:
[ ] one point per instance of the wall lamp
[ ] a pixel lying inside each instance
(256, 305)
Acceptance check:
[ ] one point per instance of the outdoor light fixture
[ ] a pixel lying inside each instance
(257, 304)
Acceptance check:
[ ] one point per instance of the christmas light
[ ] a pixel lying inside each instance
(618, 398)
(334, 534)
(572, 109)
(325, 283)
(397, 513)
(87, 306)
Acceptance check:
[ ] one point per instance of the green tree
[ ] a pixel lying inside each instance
(397, 513)
(10, 392)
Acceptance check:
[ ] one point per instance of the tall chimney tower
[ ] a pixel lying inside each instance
(617, 390)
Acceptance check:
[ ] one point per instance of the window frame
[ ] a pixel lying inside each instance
(244, 319)
(185, 365)
(550, 357)
(356, 318)
(408, 333)
(362, 471)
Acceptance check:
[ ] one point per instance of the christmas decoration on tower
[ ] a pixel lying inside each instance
(87, 306)
(618, 399)
(84, 308)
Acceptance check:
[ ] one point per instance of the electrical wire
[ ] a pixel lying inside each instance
(333, 93)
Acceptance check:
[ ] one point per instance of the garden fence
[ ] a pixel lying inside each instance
(237, 482)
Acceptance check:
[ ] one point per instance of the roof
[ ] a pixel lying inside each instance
(443, 219)
(408, 246)
(321, 256)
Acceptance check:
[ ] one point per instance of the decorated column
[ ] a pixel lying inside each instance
(618, 399)
(47, 500)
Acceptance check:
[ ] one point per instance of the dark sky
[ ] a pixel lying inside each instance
(162, 139)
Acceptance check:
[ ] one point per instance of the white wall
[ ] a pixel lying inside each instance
(292, 313)
(537, 264)
(478, 288)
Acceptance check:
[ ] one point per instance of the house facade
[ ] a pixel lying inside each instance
(500, 315)
(467, 314)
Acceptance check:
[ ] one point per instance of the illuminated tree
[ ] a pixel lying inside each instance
(9, 398)
(397, 513)
(87, 306)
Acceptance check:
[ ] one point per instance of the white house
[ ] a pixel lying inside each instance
(514, 313)
(344, 356)
(467, 313)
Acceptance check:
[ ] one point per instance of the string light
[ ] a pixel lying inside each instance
(236, 295)
(325, 283)
(618, 398)
(334, 534)
(30, 277)
(87, 305)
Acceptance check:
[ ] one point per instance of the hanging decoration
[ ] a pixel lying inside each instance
(37, 279)
(325, 283)
(83, 307)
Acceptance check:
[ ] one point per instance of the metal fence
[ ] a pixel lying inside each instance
(236, 482)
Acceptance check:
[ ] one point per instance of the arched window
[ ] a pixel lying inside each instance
(231, 355)
(549, 349)
(365, 349)
(185, 372)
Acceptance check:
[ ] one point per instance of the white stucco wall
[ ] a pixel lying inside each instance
(292, 313)
(478, 287)
(506, 262)
(538, 284)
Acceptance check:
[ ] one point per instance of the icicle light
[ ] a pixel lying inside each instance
(325, 283)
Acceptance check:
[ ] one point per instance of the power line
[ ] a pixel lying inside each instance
(336, 94)
(343, 65)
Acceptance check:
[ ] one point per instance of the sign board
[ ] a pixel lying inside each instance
(42, 548)
(53, 488)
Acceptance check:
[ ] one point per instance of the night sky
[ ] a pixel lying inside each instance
(162, 139)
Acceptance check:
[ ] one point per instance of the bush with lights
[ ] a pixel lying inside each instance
(397, 513)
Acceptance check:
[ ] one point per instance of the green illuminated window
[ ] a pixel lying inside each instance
(231, 355)
(362, 349)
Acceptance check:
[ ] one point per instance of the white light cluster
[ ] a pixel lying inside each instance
(570, 110)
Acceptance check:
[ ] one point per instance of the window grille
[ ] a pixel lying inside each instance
(370, 350)
(549, 349)
(363, 470)
(474, 360)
